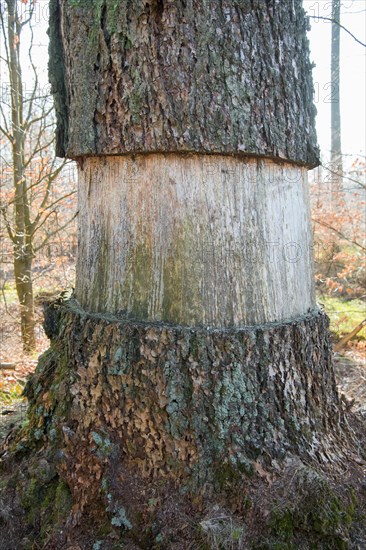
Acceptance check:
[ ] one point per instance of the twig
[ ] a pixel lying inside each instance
(324, 224)
(349, 336)
(5, 302)
(339, 25)
(7, 366)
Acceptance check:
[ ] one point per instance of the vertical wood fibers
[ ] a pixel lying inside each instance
(194, 240)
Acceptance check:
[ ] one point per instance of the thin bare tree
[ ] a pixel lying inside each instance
(336, 148)
(29, 167)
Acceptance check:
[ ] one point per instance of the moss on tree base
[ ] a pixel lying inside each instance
(135, 427)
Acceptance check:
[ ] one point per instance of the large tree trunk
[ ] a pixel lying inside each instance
(162, 76)
(194, 352)
(193, 125)
(181, 402)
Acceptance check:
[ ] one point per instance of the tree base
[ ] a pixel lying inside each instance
(176, 401)
(126, 415)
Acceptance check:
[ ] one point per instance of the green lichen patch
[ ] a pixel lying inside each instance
(120, 519)
(46, 505)
(104, 445)
(313, 509)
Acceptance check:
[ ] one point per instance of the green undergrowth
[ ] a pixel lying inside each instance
(9, 294)
(11, 395)
(310, 510)
(344, 315)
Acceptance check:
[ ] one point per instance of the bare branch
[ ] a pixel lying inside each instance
(339, 25)
(349, 336)
(339, 233)
(53, 233)
(52, 175)
(343, 176)
(42, 116)
(7, 224)
(6, 134)
(47, 207)
(35, 86)
(5, 122)
(43, 207)
(38, 149)
(5, 301)
(26, 21)
(4, 33)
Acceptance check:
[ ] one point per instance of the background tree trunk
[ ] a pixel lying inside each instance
(29, 165)
(22, 240)
(336, 147)
(24, 286)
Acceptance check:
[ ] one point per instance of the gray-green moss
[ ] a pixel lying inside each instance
(311, 507)
(47, 505)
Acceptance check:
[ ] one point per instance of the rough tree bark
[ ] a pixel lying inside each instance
(193, 351)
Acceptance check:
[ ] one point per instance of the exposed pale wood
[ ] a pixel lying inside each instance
(194, 239)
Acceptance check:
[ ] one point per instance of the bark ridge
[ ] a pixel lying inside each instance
(206, 76)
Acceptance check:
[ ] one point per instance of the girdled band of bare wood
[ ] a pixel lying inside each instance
(212, 76)
(194, 239)
(174, 401)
